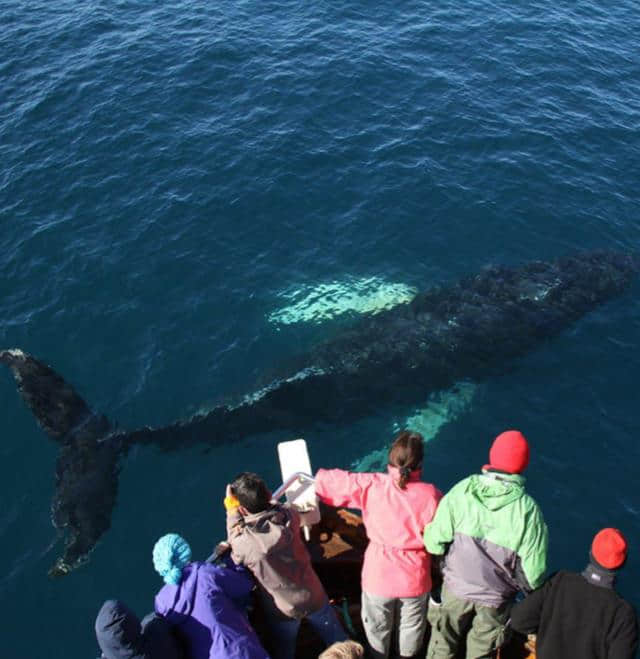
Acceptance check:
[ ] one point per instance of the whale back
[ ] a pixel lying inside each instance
(472, 327)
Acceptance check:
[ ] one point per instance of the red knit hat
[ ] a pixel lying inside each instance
(609, 548)
(509, 452)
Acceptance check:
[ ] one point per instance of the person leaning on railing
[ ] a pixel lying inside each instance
(265, 537)
(205, 603)
(494, 539)
(396, 572)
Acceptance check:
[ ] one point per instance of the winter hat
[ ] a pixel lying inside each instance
(609, 548)
(170, 554)
(509, 452)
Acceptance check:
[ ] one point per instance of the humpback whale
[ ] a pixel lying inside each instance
(466, 330)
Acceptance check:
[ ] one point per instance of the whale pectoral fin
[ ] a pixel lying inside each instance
(55, 404)
(84, 498)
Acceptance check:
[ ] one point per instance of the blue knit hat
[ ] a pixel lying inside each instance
(170, 554)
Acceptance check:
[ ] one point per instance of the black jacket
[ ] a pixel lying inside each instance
(120, 634)
(574, 617)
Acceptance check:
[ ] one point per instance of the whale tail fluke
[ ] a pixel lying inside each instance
(55, 404)
(87, 465)
(85, 495)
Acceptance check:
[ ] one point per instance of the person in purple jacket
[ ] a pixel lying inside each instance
(205, 603)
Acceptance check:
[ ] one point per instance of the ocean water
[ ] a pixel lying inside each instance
(190, 189)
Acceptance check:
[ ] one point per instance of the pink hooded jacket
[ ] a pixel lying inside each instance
(396, 563)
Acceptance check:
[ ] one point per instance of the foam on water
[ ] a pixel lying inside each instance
(441, 408)
(315, 304)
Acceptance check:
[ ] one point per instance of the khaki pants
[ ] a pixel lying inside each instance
(456, 618)
(380, 615)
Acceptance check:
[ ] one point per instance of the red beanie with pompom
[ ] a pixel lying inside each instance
(609, 548)
(509, 452)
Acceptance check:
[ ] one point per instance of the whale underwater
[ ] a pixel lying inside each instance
(466, 330)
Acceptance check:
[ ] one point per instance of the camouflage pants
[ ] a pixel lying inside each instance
(455, 618)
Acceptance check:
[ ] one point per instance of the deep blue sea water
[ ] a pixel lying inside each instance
(170, 173)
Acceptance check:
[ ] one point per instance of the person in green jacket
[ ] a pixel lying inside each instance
(494, 541)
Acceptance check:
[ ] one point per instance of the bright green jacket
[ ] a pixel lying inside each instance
(494, 537)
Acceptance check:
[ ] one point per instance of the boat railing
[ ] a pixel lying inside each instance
(300, 478)
(300, 492)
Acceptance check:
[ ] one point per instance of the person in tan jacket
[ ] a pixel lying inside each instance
(265, 537)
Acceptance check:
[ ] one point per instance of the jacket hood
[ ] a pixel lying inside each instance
(496, 490)
(118, 632)
(276, 513)
(263, 522)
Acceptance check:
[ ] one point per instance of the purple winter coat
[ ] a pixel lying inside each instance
(206, 610)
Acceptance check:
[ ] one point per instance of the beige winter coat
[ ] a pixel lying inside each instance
(269, 544)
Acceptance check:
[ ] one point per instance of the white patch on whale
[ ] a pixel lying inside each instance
(441, 408)
(315, 304)
(300, 375)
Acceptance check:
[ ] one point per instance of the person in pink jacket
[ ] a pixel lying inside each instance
(396, 574)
